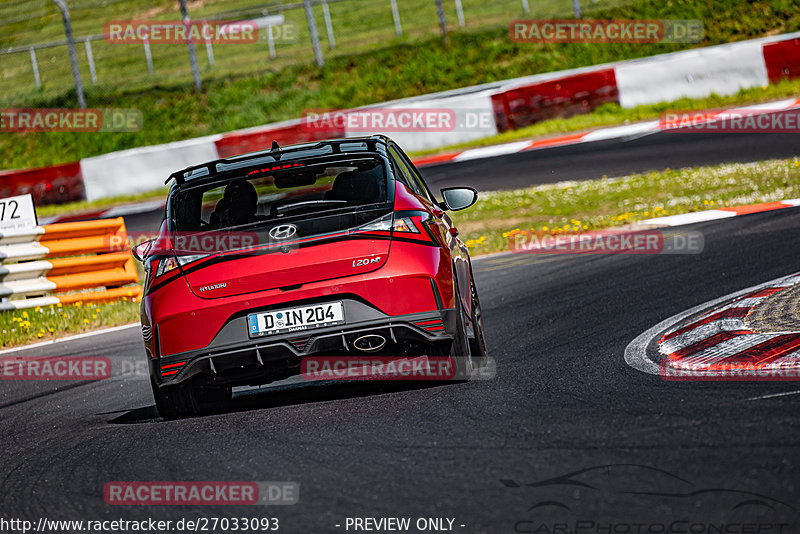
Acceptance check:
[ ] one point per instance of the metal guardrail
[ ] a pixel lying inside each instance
(87, 261)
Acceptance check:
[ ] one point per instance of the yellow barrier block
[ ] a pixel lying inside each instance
(72, 230)
(91, 255)
(83, 264)
(85, 237)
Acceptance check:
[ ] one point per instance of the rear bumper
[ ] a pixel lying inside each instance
(413, 280)
(233, 358)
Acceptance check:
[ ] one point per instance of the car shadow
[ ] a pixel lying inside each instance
(286, 395)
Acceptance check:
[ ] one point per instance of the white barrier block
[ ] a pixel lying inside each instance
(24, 270)
(20, 288)
(696, 73)
(26, 235)
(143, 169)
(10, 305)
(22, 252)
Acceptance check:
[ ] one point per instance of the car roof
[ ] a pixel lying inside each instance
(330, 146)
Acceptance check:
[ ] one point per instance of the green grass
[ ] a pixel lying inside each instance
(413, 66)
(21, 327)
(572, 207)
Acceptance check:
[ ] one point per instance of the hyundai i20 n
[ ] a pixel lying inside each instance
(327, 248)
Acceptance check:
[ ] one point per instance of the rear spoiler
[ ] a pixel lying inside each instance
(275, 151)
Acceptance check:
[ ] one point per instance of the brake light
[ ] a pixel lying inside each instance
(398, 223)
(170, 263)
(405, 224)
(165, 265)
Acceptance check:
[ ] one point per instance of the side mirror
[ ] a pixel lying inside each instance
(459, 198)
(142, 250)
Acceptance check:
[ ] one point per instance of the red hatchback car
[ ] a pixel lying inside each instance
(334, 248)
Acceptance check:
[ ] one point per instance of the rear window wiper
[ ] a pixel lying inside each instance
(309, 204)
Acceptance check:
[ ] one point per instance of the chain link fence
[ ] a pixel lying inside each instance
(35, 62)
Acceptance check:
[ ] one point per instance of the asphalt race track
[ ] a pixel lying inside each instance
(563, 401)
(615, 157)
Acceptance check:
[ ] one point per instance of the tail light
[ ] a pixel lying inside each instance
(405, 225)
(165, 264)
(409, 225)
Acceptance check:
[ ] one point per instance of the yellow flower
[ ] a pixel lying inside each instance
(86, 320)
(25, 314)
(94, 316)
(50, 330)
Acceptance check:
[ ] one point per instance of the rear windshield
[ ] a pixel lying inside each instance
(317, 196)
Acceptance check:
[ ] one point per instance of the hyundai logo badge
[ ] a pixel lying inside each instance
(283, 231)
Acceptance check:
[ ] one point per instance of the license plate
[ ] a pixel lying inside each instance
(295, 319)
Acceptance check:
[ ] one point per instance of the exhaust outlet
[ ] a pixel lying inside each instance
(369, 343)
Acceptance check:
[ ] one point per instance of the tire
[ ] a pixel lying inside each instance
(188, 400)
(478, 348)
(460, 350)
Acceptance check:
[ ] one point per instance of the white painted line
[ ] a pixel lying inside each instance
(620, 131)
(742, 303)
(492, 151)
(134, 208)
(722, 350)
(701, 333)
(690, 218)
(773, 395)
(778, 105)
(70, 338)
(636, 353)
(791, 202)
